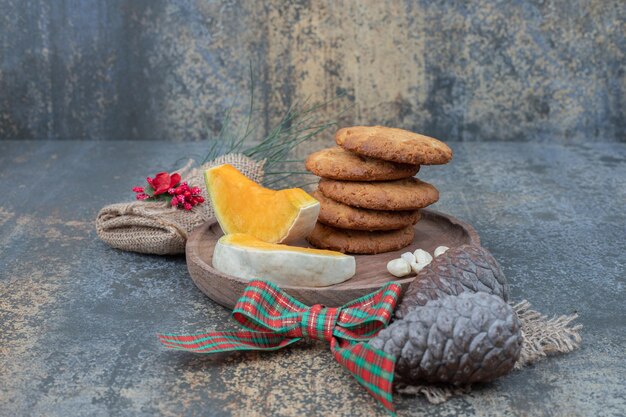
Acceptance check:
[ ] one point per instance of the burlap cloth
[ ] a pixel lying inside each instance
(156, 227)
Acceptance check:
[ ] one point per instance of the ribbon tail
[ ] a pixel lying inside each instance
(214, 342)
(372, 368)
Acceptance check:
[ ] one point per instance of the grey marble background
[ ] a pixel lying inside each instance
(531, 70)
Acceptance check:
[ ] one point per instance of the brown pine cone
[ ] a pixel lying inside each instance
(467, 268)
(459, 340)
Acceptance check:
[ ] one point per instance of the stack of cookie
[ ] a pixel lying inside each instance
(368, 195)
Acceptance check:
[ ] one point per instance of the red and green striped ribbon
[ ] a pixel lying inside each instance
(274, 319)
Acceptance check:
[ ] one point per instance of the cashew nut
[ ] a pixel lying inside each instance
(422, 257)
(399, 267)
(409, 257)
(440, 250)
(415, 267)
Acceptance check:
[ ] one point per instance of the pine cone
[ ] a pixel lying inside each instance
(459, 340)
(466, 268)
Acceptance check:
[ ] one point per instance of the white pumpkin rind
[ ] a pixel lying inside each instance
(303, 225)
(283, 267)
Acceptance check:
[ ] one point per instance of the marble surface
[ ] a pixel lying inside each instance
(525, 70)
(78, 319)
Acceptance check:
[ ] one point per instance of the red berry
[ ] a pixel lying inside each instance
(174, 201)
(200, 199)
(181, 199)
(187, 206)
(138, 189)
(195, 190)
(187, 194)
(179, 190)
(171, 191)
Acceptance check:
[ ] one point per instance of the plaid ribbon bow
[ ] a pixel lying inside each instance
(275, 320)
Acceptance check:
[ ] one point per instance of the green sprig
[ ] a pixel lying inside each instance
(301, 122)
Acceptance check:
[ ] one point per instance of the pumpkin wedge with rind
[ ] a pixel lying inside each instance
(244, 256)
(243, 206)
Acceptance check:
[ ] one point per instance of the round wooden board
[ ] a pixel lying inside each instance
(434, 229)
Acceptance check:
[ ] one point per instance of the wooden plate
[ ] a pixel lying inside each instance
(434, 229)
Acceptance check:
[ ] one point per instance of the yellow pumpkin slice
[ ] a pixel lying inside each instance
(244, 256)
(243, 206)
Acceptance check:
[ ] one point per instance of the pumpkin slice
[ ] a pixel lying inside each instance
(244, 256)
(243, 206)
